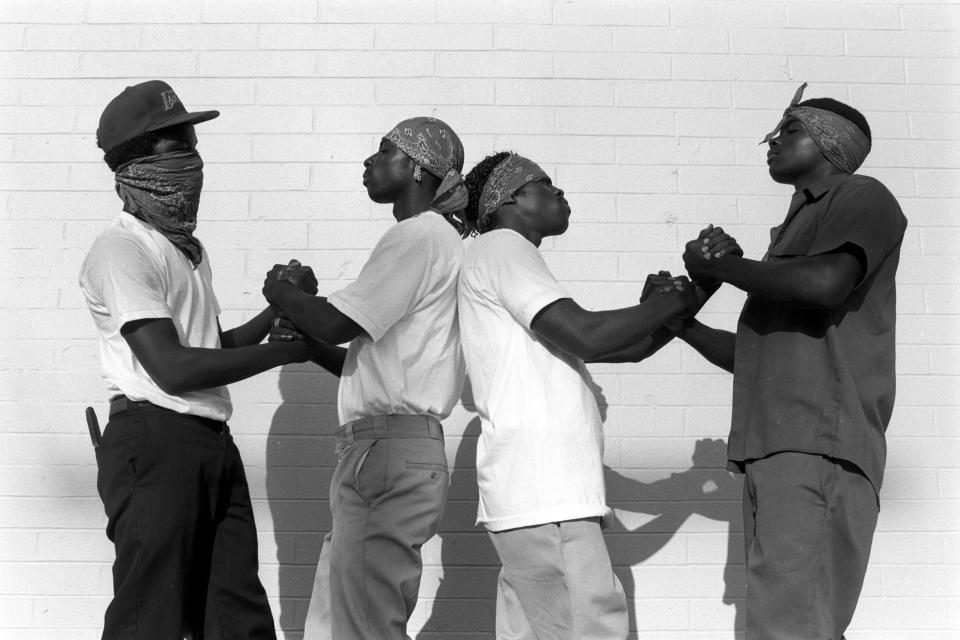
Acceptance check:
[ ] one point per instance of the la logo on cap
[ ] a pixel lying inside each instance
(169, 99)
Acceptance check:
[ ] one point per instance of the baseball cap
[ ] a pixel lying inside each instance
(147, 106)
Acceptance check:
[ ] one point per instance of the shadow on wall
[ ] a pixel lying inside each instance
(300, 462)
(465, 602)
(706, 489)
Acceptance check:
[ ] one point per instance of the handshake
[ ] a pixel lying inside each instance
(294, 273)
(701, 257)
(301, 277)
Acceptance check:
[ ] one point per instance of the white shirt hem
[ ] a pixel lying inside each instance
(573, 512)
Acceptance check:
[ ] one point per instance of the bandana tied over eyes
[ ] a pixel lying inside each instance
(506, 178)
(436, 148)
(841, 141)
(164, 191)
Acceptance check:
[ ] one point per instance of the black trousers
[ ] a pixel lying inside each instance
(180, 518)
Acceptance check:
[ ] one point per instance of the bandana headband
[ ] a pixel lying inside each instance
(841, 141)
(431, 142)
(507, 177)
(434, 146)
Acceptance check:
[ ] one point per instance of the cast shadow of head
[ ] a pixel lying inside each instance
(465, 601)
(706, 489)
(300, 461)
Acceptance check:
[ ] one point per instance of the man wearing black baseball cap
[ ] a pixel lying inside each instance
(170, 476)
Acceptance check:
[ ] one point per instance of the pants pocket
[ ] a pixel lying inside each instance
(791, 510)
(370, 470)
(430, 466)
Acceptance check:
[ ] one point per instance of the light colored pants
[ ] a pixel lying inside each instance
(387, 497)
(557, 583)
(808, 524)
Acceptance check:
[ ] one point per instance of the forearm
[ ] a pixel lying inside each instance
(641, 350)
(314, 316)
(331, 358)
(716, 345)
(186, 369)
(249, 333)
(801, 282)
(590, 335)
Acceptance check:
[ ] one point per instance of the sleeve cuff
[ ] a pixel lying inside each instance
(133, 316)
(356, 315)
(538, 304)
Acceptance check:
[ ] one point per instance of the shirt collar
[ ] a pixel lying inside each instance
(816, 190)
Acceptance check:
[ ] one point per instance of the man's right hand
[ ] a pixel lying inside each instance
(300, 276)
(700, 254)
(660, 283)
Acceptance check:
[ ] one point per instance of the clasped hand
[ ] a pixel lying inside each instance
(701, 254)
(296, 274)
(665, 284)
(283, 330)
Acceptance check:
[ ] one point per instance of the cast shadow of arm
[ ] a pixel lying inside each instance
(300, 460)
(706, 489)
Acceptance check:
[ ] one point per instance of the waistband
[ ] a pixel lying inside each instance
(119, 404)
(389, 426)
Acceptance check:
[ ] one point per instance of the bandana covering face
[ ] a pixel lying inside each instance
(506, 178)
(436, 148)
(840, 141)
(164, 191)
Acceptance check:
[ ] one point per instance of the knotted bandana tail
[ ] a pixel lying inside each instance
(840, 140)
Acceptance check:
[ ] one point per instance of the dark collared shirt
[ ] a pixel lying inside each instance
(822, 380)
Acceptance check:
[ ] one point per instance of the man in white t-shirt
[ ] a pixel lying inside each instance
(401, 375)
(539, 457)
(170, 477)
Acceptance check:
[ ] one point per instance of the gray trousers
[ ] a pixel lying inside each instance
(808, 526)
(387, 497)
(557, 583)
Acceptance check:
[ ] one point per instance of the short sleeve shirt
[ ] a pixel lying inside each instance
(408, 360)
(539, 456)
(823, 380)
(132, 272)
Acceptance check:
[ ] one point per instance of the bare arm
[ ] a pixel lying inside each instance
(331, 358)
(313, 315)
(178, 369)
(591, 335)
(641, 350)
(824, 281)
(657, 285)
(249, 333)
(716, 345)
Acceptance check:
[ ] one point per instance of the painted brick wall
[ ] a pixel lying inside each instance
(647, 113)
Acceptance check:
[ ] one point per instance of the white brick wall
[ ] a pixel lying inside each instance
(648, 114)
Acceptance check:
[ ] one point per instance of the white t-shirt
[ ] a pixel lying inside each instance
(539, 457)
(133, 272)
(408, 361)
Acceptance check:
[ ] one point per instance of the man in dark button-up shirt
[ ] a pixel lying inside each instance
(813, 365)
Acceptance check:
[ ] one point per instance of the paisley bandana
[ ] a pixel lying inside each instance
(436, 148)
(164, 191)
(506, 178)
(841, 141)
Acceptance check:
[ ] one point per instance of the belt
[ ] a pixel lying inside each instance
(389, 426)
(122, 403)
